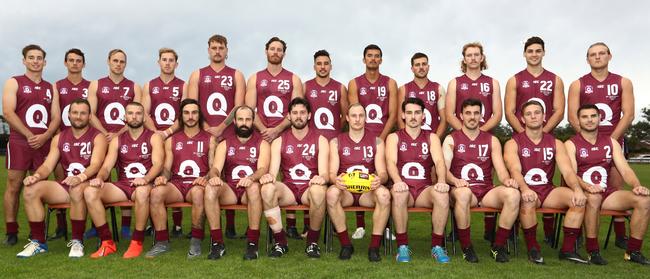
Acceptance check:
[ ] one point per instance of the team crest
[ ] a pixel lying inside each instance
(207, 79)
(525, 84)
(412, 95)
(155, 90)
(27, 89)
(289, 149)
(264, 83)
(402, 147)
(124, 149)
(464, 86)
(461, 148)
(525, 152)
(64, 91)
(66, 147)
(313, 94)
(105, 90)
(231, 151)
(362, 92)
(589, 89)
(346, 151)
(179, 146)
(583, 153)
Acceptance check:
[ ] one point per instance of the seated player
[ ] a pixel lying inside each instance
(358, 150)
(80, 149)
(531, 157)
(592, 155)
(470, 156)
(301, 154)
(138, 156)
(188, 154)
(240, 160)
(412, 154)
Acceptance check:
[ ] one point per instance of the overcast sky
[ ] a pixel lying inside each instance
(344, 28)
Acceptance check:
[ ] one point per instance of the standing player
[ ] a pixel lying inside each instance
(357, 150)
(31, 109)
(377, 93)
(431, 92)
(138, 157)
(188, 155)
(470, 156)
(412, 154)
(302, 156)
(240, 160)
(80, 150)
(592, 154)
(614, 97)
(531, 157)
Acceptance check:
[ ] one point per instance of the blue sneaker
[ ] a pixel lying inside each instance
(126, 232)
(440, 254)
(403, 254)
(90, 233)
(32, 248)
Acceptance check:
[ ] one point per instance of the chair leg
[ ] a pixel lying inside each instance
(47, 221)
(326, 238)
(453, 233)
(558, 230)
(609, 232)
(116, 235)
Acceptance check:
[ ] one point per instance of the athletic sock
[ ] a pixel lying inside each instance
(38, 231)
(216, 236)
(361, 219)
(402, 239)
(230, 219)
(592, 244)
(549, 224)
(78, 228)
(138, 235)
(177, 216)
(291, 222)
(253, 235)
(437, 240)
(464, 237)
(12, 227)
(162, 235)
(570, 236)
(634, 245)
(198, 233)
(344, 238)
(61, 221)
(490, 220)
(501, 236)
(126, 221)
(312, 236)
(619, 229)
(375, 241)
(104, 232)
(530, 234)
(280, 237)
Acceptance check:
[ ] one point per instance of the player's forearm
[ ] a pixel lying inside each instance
(152, 173)
(490, 124)
(552, 122)
(514, 122)
(259, 173)
(14, 122)
(394, 173)
(214, 172)
(454, 122)
(387, 128)
(94, 122)
(258, 123)
(622, 126)
(450, 177)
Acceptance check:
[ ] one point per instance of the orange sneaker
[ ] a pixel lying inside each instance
(134, 251)
(108, 247)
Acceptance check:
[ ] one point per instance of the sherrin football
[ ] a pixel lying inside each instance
(357, 181)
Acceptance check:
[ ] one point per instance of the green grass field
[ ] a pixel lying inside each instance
(55, 263)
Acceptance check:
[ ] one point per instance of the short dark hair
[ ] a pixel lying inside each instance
(587, 106)
(372, 46)
(136, 104)
(598, 44)
(27, 48)
(413, 100)
(418, 55)
(300, 101)
(470, 103)
(320, 53)
(532, 103)
(74, 51)
(276, 39)
(187, 102)
(533, 40)
(218, 39)
(79, 101)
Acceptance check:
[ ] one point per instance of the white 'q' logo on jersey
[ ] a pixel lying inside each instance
(75, 169)
(279, 107)
(171, 114)
(361, 168)
(377, 114)
(536, 177)
(593, 173)
(65, 116)
(464, 172)
(428, 119)
(31, 113)
(406, 170)
(300, 168)
(222, 106)
(189, 168)
(141, 170)
(118, 120)
(247, 170)
(329, 119)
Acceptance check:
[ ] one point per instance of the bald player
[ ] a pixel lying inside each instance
(31, 109)
(614, 96)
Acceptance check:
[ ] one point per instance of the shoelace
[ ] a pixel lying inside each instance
(72, 243)
(438, 252)
(31, 243)
(278, 248)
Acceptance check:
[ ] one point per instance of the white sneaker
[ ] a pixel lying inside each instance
(32, 248)
(76, 249)
(359, 233)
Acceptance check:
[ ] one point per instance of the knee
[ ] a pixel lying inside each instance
(332, 196)
(527, 207)
(29, 194)
(155, 198)
(76, 195)
(91, 194)
(253, 192)
(643, 203)
(512, 197)
(594, 200)
(383, 197)
(267, 191)
(197, 196)
(400, 199)
(317, 194)
(440, 199)
(462, 195)
(142, 196)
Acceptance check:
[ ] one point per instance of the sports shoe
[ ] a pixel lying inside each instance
(292, 232)
(439, 254)
(90, 233)
(32, 248)
(359, 233)
(76, 249)
(469, 255)
(177, 232)
(11, 239)
(217, 250)
(278, 250)
(126, 232)
(251, 252)
(58, 233)
(312, 250)
(499, 254)
(403, 254)
(595, 258)
(346, 252)
(158, 249)
(535, 256)
(107, 247)
(621, 242)
(636, 257)
(134, 250)
(373, 255)
(572, 256)
(195, 248)
(231, 233)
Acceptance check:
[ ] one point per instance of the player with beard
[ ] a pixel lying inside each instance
(188, 156)
(80, 150)
(138, 157)
(240, 161)
(31, 109)
(302, 155)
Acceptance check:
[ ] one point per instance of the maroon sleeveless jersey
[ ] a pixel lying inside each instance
(69, 92)
(112, 99)
(217, 95)
(414, 160)
(33, 103)
(165, 101)
(273, 96)
(76, 153)
(374, 97)
(594, 160)
(429, 94)
(531, 88)
(134, 156)
(241, 158)
(299, 160)
(606, 95)
(191, 158)
(537, 160)
(472, 160)
(357, 155)
(326, 107)
(480, 89)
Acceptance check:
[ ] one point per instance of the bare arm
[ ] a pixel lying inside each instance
(564, 164)
(109, 162)
(573, 104)
(511, 159)
(448, 154)
(558, 106)
(92, 99)
(450, 106)
(627, 107)
(334, 160)
(442, 127)
(323, 158)
(276, 157)
(146, 103)
(219, 160)
(262, 161)
(498, 163)
(623, 167)
(380, 162)
(99, 154)
(392, 109)
(510, 103)
(50, 162)
(169, 159)
(391, 158)
(353, 96)
(9, 100)
(251, 101)
(497, 109)
(401, 96)
(344, 103)
(157, 158)
(435, 149)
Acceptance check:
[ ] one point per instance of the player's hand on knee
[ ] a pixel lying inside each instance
(160, 181)
(265, 179)
(528, 195)
(641, 191)
(138, 182)
(376, 182)
(400, 187)
(579, 199)
(96, 182)
(200, 181)
(245, 182)
(215, 181)
(109, 136)
(441, 187)
(338, 183)
(511, 183)
(317, 180)
(72, 181)
(461, 183)
(28, 181)
(594, 189)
